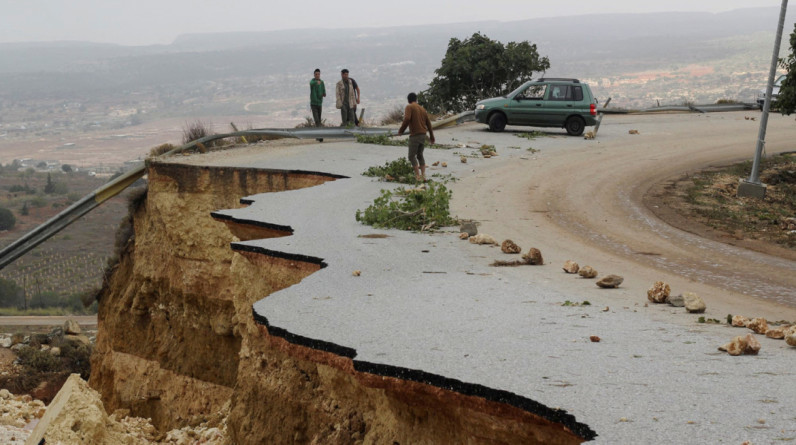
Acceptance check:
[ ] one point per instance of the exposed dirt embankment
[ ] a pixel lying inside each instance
(177, 340)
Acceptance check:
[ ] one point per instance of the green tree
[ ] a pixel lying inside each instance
(786, 102)
(49, 188)
(477, 68)
(7, 219)
(66, 168)
(10, 293)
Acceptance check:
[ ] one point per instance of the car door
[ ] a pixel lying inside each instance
(559, 104)
(527, 107)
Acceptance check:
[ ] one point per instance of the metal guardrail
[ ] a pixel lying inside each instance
(89, 202)
(709, 108)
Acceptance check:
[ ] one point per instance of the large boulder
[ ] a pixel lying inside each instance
(746, 344)
(659, 292)
(72, 327)
(694, 303)
(610, 281)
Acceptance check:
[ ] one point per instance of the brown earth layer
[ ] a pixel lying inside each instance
(177, 341)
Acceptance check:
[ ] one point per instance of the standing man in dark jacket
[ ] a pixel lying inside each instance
(416, 118)
(317, 93)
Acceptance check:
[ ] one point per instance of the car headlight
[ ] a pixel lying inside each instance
(480, 107)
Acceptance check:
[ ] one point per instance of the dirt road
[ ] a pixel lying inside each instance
(35, 320)
(584, 200)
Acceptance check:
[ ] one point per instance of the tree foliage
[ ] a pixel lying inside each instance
(10, 293)
(786, 102)
(478, 68)
(7, 219)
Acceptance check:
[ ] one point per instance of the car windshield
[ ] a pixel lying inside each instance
(778, 83)
(522, 87)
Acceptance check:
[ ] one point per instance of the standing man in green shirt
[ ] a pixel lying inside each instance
(317, 93)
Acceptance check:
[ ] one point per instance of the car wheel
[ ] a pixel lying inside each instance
(575, 126)
(497, 122)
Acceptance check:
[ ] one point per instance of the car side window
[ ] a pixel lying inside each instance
(535, 92)
(559, 92)
(578, 94)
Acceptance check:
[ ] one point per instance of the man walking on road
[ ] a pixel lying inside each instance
(347, 98)
(317, 93)
(416, 118)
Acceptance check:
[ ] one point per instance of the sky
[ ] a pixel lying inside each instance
(147, 22)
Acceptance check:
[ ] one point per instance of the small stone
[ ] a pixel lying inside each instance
(356, 273)
(587, 272)
(464, 235)
(71, 327)
(5, 342)
(610, 281)
(594, 339)
(571, 266)
(776, 333)
(633, 132)
(469, 227)
(444, 164)
(487, 156)
(463, 159)
(533, 257)
(55, 350)
(790, 336)
(676, 300)
(482, 238)
(659, 292)
(510, 246)
(606, 309)
(739, 321)
(694, 303)
(759, 325)
(435, 164)
(739, 345)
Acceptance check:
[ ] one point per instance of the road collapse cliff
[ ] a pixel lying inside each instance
(177, 341)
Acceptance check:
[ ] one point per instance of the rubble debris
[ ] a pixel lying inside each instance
(777, 333)
(469, 227)
(509, 246)
(758, 325)
(571, 266)
(788, 224)
(659, 292)
(483, 238)
(739, 321)
(694, 303)
(534, 257)
(587, 272)
(742, 344)
(610, 281)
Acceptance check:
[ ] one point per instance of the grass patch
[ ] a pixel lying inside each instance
(711, 198)
(394, 116)
(572, 303)
(410, 209)
(39, 311)
(531, 135)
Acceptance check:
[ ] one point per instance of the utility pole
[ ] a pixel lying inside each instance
(753, 188)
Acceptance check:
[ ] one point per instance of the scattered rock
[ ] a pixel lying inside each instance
(594, 339)
(676, 300)
(588, 135)
(435, 164)
(510, 246)
(790, 336)
(469, 227)
(606, 309)
(5, 394)
(776, 333)
(659, 292)
(534, 257)
(487, 156)
(464, 235)
(739, 321)
(71, 327)
(482, 238)
(444, 164)
(78, 339)
(788, 224)
(633, 132)
(694, 303)
(356, 273)
(55, 350)
(587, 272)
(747, 344)
(759, 325)
(5, 342)
(571, 266)
(463, 159)
(610, 281)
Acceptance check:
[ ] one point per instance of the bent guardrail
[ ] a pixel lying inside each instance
(91, 201)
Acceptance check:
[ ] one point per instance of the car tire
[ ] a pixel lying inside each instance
(575, 125)
(497, 122)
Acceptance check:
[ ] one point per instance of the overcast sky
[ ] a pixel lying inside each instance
(144, 22)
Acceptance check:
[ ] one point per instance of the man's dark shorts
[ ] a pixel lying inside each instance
(416, 144)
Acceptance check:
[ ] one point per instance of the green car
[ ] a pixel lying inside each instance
(561, 103)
